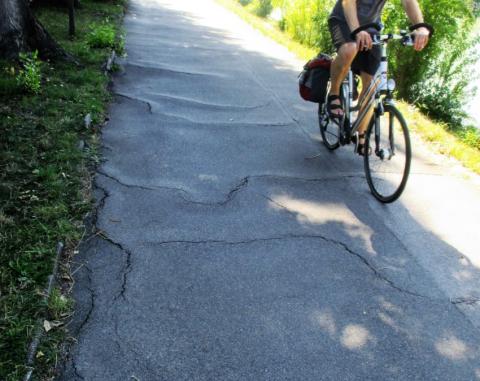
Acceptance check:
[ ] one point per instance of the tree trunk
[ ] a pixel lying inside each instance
(20, 31)
(71, 17)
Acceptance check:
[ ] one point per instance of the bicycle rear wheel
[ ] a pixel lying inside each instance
(330, 131)
(389, 154)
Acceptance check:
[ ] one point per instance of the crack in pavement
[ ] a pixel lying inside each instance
(455, 302)
(149, 105)
(203, 104)
(100, 205)
(92, 302)
(83, 323)
(469, 300)
(244, 182)
(76, 371)
(127, 268)
(341, 244)
(352, 252)
(228, 198)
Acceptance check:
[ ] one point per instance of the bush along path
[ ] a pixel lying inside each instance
(442, 72)
(48, 140)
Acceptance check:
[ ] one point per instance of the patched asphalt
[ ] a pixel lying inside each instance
(221, 251)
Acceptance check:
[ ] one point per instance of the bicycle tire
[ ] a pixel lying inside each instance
(387, 144)
(330, 131)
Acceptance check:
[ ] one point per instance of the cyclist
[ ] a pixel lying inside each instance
(354, 48)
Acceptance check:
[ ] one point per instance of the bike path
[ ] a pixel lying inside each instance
(220, 253)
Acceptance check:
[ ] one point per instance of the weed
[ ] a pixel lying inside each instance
(101, 36)
(29, 76)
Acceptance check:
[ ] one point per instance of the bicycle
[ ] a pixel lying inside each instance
(387, 140)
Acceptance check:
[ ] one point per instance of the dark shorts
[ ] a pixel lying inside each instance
(367, 61)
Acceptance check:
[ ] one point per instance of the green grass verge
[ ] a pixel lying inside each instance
(441, 139)
(44, 183)
(462, 144)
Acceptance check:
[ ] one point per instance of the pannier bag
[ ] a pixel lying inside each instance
(313, 80)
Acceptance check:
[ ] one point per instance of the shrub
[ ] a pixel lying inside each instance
(29, 76)
(261, 8)
(471, 136)
(101, 36)
(306, 21)
(435, 78)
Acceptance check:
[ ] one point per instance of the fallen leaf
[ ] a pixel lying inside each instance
(47, 326)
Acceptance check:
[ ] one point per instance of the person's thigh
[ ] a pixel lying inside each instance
(340, 33)
(367, 61)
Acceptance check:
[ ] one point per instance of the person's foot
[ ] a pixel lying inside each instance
(334, 108)
(359, 140)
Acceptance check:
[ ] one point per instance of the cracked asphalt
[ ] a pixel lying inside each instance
(220, 251)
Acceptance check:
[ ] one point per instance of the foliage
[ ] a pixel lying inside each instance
(262, 8)
(476, 8)
(307, 22)
(43, 194)
(29, 76)
(436, 78)
(102, 36)
(461, 144)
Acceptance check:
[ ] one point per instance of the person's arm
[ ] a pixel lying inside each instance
(415, 16)
(364, 40)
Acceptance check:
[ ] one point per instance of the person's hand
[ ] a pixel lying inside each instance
(421, 38)
(364, 40)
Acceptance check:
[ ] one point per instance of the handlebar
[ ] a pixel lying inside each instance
(407, 39)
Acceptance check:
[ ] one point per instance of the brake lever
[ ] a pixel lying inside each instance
(408, 40)
(376, 39)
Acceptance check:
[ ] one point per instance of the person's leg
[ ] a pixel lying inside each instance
(339, 70)
(366, 81)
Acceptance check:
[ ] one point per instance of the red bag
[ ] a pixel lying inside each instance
(313, 80)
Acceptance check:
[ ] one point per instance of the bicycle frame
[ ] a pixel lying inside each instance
(371, 96)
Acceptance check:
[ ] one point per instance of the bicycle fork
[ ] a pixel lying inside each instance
(384, 153)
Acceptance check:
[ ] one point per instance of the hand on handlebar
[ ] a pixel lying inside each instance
(421, 36)
(364, 40)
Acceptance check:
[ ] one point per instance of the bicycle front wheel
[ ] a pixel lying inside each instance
(388, 155)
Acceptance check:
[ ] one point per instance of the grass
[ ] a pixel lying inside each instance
(463, 144)
(44, 181)
(441, 139)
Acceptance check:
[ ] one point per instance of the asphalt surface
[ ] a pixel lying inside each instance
(221, 253)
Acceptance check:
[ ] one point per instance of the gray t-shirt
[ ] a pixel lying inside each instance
(368, 11)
